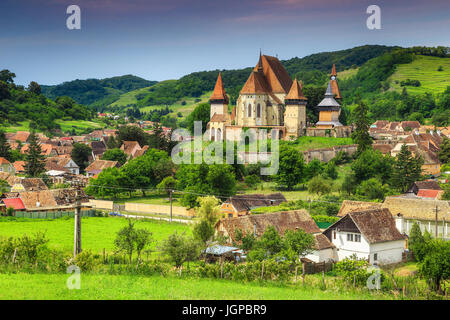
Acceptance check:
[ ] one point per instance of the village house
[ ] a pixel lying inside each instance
(29, 184)
(408, 209)
(6, 166)
(130, 148)
(98, 166)
(19, 166)
(425, 189)
(368, 234)
(98, 149)
(21, 136)
(62, 164)
(9, 178)
(241, 205)
(323, 249)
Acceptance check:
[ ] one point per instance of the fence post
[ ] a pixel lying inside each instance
(262, 271)
(14, 256)
(104, 257)
(296, 269)
(221, 270)
(303, 273)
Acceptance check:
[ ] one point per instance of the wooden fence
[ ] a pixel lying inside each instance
(52, 214)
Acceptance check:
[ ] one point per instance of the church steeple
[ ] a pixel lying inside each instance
(219, 95)
(334, 84)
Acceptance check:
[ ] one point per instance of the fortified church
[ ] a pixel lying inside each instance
(270, 100)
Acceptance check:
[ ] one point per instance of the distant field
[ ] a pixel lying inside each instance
(307, 143)
(78, 125)
(97, 233)
(24, 286)
(424, 69)
(342, 75)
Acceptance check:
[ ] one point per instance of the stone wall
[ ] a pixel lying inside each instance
(337, 132)
(327, 154)
(158, 209)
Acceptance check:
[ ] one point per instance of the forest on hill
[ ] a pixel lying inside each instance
(96, 91)
(18, 103)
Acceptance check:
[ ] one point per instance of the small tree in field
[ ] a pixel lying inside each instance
(130, 240)
(436, 263)
(178, 248)
(319, 186)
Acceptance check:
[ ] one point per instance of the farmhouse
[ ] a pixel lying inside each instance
(281, 221)
(368, 234)
(425, 189)
(29, 184)
(241, 205)
(62, 164)
(98, 166)
(6, 166)
(130, 148)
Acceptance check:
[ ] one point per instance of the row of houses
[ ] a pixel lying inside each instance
(369, 234)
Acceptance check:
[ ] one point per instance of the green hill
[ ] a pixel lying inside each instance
(96, 92)
(424, 69)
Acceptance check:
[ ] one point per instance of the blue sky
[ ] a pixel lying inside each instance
(160, 40)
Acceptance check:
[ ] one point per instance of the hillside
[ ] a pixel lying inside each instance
(313, 70)
(424, 69)
(96, 92)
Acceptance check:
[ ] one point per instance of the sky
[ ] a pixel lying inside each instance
(166, 39)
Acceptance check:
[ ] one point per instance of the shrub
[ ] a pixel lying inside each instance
(353, 270)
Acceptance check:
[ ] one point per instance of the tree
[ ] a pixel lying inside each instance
(372, 164)
(167, 184)
(444, 153)
(132, 133)
(361, 134)
(108, 183)
(113, 143)
(416, 241)
(291, 165)
(271, 241)
(7, 76)
(407, 169)
(34, 87)
(5, 149)
(80, 155)
(4, 187)
(129, 240)
(297, 244)
(372, 189)
(436, 263)
(319, 185)
(314, 168)
(125, 240)
(179, 248)
(208, 214)
(200, 113)
(34, 158)
(331, 170)
(203, 231)
(115, 155)
(349, 184)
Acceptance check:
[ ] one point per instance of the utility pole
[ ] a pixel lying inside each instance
(309, 200)
(436, 223)
(170, 197)
(77, 229)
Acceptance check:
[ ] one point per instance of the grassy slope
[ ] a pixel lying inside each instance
(424, 69)
(53, 286)
(78, 125)
(97, 233)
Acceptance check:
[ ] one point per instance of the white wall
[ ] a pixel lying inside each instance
(345, 249)
(321, 255)
(387, 252)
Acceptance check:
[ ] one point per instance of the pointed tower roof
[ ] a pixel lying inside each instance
(277, 78)
(333, 70)
(334, 84)
(296, 92)
(329, 101)
(219, 93)
(256, 84)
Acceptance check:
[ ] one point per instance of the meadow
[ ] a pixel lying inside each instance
(97, 232)
(24, 286)
(424, 69)
(78, 125)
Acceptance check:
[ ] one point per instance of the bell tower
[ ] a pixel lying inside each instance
(295, 111)
(219, 99)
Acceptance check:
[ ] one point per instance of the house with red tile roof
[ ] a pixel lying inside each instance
(6, 166)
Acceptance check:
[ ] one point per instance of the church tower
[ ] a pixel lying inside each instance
(329, 110)
(295, 111)
(334, 84)
(219, 99)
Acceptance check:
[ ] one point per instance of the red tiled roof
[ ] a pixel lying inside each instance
(4, 161)
(296, 92)
(15, 203)
(219, 90)
(19, 166)
(424, 193)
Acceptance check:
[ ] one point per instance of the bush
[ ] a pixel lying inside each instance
(353, 270)
(86, 261)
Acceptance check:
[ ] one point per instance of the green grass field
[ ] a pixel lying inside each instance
(78, 125)
(97, 233)
(308, 143)
(424, 69)
(104, 287)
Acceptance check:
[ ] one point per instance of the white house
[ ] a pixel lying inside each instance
(370, 234)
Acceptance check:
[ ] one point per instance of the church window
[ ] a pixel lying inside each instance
(249, 110)
(258, 111)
